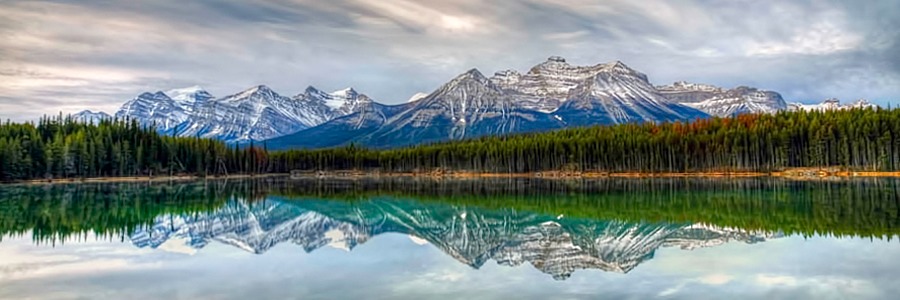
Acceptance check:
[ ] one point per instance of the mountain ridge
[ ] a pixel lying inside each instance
(547, 97)
(552, 94)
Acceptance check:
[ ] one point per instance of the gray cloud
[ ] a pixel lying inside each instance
(73, 55)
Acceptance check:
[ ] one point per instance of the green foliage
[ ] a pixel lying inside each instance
(859, 139)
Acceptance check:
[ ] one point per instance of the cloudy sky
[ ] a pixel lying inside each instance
(95, 54)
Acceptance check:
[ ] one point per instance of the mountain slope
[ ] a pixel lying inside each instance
(470, 105)
(618, 94)
(367, 116)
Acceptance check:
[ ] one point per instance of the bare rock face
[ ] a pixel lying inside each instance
(721, 102)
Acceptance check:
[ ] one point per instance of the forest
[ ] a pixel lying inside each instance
(62, 147)
(857, 139)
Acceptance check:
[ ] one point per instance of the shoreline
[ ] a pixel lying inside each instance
(795, 174)
(138, 179)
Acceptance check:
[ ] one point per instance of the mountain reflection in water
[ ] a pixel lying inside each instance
(556, 226)
(555, 245)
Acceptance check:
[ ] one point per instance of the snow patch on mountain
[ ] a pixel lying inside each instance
(189, 96)
(417, 96)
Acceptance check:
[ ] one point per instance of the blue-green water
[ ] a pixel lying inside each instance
(471, 239)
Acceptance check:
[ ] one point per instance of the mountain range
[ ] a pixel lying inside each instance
(551, 95)
(831, 104)
(555, 245)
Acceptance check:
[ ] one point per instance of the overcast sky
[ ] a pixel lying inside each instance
(94, 54)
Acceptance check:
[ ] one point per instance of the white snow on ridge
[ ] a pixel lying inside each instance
(417, 96)
(189, 94)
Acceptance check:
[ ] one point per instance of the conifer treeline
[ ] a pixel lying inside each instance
(61, 147)
(857, 139)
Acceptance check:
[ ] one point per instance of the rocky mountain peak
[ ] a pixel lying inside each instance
(311, 90)
(346, 93)
(620, 68)
(256, 94)
(472, 74)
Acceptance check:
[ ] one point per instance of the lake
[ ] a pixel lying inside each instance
(404, 238)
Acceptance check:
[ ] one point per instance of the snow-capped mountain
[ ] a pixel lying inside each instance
(551, 95)
(257, 113)
(547, 85)
(553, 245)
(831, 104)
(721, 102)
(254, 114)
(88, 116)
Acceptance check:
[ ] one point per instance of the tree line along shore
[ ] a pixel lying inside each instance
(856, 142)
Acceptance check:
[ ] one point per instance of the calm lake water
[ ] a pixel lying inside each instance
(453, 239)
